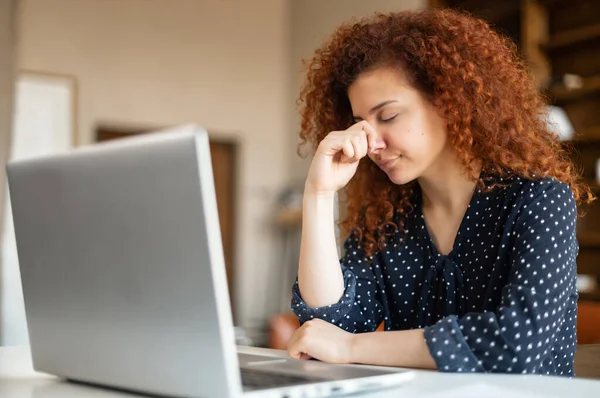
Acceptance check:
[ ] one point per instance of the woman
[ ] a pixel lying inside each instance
(461, 204)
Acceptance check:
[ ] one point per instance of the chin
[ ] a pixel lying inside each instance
(401, 178)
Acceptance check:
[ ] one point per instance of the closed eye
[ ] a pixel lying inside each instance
(388, 120)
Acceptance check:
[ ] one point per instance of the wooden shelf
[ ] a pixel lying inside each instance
(594, 186)
(573, 36)
(589, 240)
(556, 3)
(590, 86)
(590, 137)
(550, 3)
(491, 11)
(590, 296)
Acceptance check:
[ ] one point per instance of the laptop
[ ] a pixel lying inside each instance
(124, 279)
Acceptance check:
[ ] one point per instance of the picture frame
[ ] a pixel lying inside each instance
(50, 100)
(45, 121)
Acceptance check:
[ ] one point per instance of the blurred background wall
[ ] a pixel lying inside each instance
(232, 66)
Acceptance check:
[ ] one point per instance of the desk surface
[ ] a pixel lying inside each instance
(19, 380)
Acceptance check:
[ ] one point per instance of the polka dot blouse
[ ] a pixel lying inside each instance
(503, 300)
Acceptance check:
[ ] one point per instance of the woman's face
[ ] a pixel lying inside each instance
(411, 136)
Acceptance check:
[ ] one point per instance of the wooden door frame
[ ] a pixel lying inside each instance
(103, 133)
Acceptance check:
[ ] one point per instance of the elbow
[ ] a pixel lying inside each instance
(519, 361)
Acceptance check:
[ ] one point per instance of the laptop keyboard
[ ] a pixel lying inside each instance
(261, 379)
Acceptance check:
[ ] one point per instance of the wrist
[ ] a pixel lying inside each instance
(318, 199)
(315, 194)
(353, 347)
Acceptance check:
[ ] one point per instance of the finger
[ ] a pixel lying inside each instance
(296, 341)
(360, 145)
(348, 151)
(337, 143)
(305, 356)
(356, 135)
(296, 347)
(371, 135)
(356, 147)
(346, 159)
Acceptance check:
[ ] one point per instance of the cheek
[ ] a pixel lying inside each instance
(420, 143)
(417, 137)
(431, 133)
(436, 126)
(401, 134)
(413, 137)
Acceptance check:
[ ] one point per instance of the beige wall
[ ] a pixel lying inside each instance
(220, 63)
(312, 23)
(229, 65)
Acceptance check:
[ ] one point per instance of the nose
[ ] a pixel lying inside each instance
(378, 145)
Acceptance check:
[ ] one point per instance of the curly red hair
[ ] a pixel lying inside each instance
(470, 73)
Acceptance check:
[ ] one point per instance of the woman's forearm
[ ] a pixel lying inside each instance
(320, 278)
(405, 348)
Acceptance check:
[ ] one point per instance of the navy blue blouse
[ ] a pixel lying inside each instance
(503, 300)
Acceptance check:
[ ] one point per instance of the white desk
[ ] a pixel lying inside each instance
(18, 380)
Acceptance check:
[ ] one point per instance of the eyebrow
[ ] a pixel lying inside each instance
(376, 108)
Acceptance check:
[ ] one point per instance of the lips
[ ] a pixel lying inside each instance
(386, 163)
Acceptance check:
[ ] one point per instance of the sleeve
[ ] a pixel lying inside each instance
(359, 309)
(518, 337)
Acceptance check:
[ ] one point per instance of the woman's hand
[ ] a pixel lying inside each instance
(337, 157)
(323, 341)
(326, 342)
